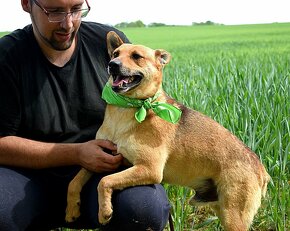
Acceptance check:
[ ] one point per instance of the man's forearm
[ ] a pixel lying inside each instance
(21, 152)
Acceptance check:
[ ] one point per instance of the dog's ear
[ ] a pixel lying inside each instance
(113, 42)
(163, 56)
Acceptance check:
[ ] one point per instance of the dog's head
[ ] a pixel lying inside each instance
(135, 70)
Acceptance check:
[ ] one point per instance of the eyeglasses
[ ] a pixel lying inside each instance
(61, 16)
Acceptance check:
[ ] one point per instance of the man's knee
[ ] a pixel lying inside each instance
(140, 208)
(12, 196)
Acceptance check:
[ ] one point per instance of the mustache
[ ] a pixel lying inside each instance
(64, 31)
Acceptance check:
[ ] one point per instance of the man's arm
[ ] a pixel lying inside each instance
(21, 152)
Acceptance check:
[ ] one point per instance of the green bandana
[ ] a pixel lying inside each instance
(165, 111)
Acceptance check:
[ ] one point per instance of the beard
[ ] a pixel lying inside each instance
(54, 41)
(60, 45)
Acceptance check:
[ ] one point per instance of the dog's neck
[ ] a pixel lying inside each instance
(165, 111)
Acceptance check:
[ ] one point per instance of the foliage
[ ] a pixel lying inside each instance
(139, 23)
(207, 23)
(155, 24)
(130, 24)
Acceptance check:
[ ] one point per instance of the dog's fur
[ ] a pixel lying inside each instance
(196, 152)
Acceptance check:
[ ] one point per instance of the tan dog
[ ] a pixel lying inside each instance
(195, 152)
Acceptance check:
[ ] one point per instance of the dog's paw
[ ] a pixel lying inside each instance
(72, 212)
(105, 215)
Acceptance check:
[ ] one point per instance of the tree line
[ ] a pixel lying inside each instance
(139, 23)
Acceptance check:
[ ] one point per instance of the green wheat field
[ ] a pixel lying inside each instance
(239, 76)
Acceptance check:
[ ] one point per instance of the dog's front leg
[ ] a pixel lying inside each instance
(136, 175)
(74, 194)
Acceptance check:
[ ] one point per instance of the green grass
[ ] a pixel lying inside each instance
(3, 33)
(239, 76)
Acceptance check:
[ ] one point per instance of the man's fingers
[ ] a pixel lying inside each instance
(110, 159)
(109, 163)
(107, 144)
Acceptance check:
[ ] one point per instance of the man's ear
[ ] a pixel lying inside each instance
(113, 42)
(26, 6)
(163, 56)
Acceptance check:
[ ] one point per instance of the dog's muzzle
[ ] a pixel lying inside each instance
(124, 79)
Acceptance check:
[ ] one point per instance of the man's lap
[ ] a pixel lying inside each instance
(37, 199)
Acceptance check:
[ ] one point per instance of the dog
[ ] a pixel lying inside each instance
(168, 142)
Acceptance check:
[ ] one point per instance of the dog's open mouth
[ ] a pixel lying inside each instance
(123, 83)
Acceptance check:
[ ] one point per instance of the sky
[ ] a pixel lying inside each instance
(170, 12)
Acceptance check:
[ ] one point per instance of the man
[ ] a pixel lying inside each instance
(51, 77)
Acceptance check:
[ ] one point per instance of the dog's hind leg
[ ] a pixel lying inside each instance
(238, 205)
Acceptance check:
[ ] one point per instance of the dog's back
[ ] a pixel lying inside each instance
(212, 148)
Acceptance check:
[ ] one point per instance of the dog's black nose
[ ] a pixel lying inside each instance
(114, 65)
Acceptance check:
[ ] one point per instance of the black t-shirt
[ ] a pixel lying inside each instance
(41, 101)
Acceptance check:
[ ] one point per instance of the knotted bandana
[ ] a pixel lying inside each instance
(165, 111)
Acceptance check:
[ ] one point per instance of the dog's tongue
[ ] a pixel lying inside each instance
(120, 80)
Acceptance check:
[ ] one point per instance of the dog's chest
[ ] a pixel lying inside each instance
(125, 143)
(118, 127)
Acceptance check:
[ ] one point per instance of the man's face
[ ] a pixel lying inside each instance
(56, 35)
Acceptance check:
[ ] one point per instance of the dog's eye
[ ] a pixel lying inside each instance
(115, 54)
(136, 56)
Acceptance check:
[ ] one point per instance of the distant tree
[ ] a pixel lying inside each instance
(156, 24)
(137, 23)
(122, 25)
(204, 23)
(209, 23)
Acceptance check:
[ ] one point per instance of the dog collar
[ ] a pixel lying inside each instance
(165, 111)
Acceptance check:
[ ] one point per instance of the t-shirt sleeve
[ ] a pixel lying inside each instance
(9, 92)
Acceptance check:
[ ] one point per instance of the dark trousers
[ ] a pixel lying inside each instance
(36, 200)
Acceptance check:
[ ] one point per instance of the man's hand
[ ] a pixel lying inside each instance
(92, 156)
